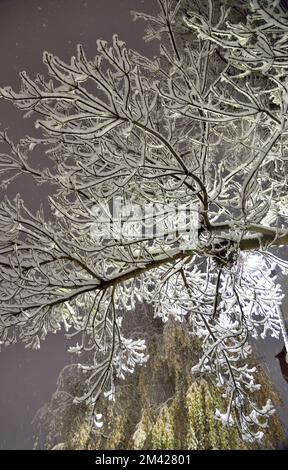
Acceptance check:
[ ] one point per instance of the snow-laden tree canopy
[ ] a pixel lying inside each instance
(203, 125)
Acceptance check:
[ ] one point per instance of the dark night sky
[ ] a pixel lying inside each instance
(27, 28)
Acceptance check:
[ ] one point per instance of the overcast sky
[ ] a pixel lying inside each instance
(27, 28)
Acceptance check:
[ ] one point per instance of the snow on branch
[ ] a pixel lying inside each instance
(137, 147)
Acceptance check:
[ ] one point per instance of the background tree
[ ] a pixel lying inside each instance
(202, 125)
(161, 406)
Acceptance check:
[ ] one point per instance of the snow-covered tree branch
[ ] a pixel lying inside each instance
(202, 125)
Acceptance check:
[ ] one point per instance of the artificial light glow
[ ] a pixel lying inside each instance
(253, 261)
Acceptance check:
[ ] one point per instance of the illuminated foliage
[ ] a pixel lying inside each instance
(201, 127)
(172, 410)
